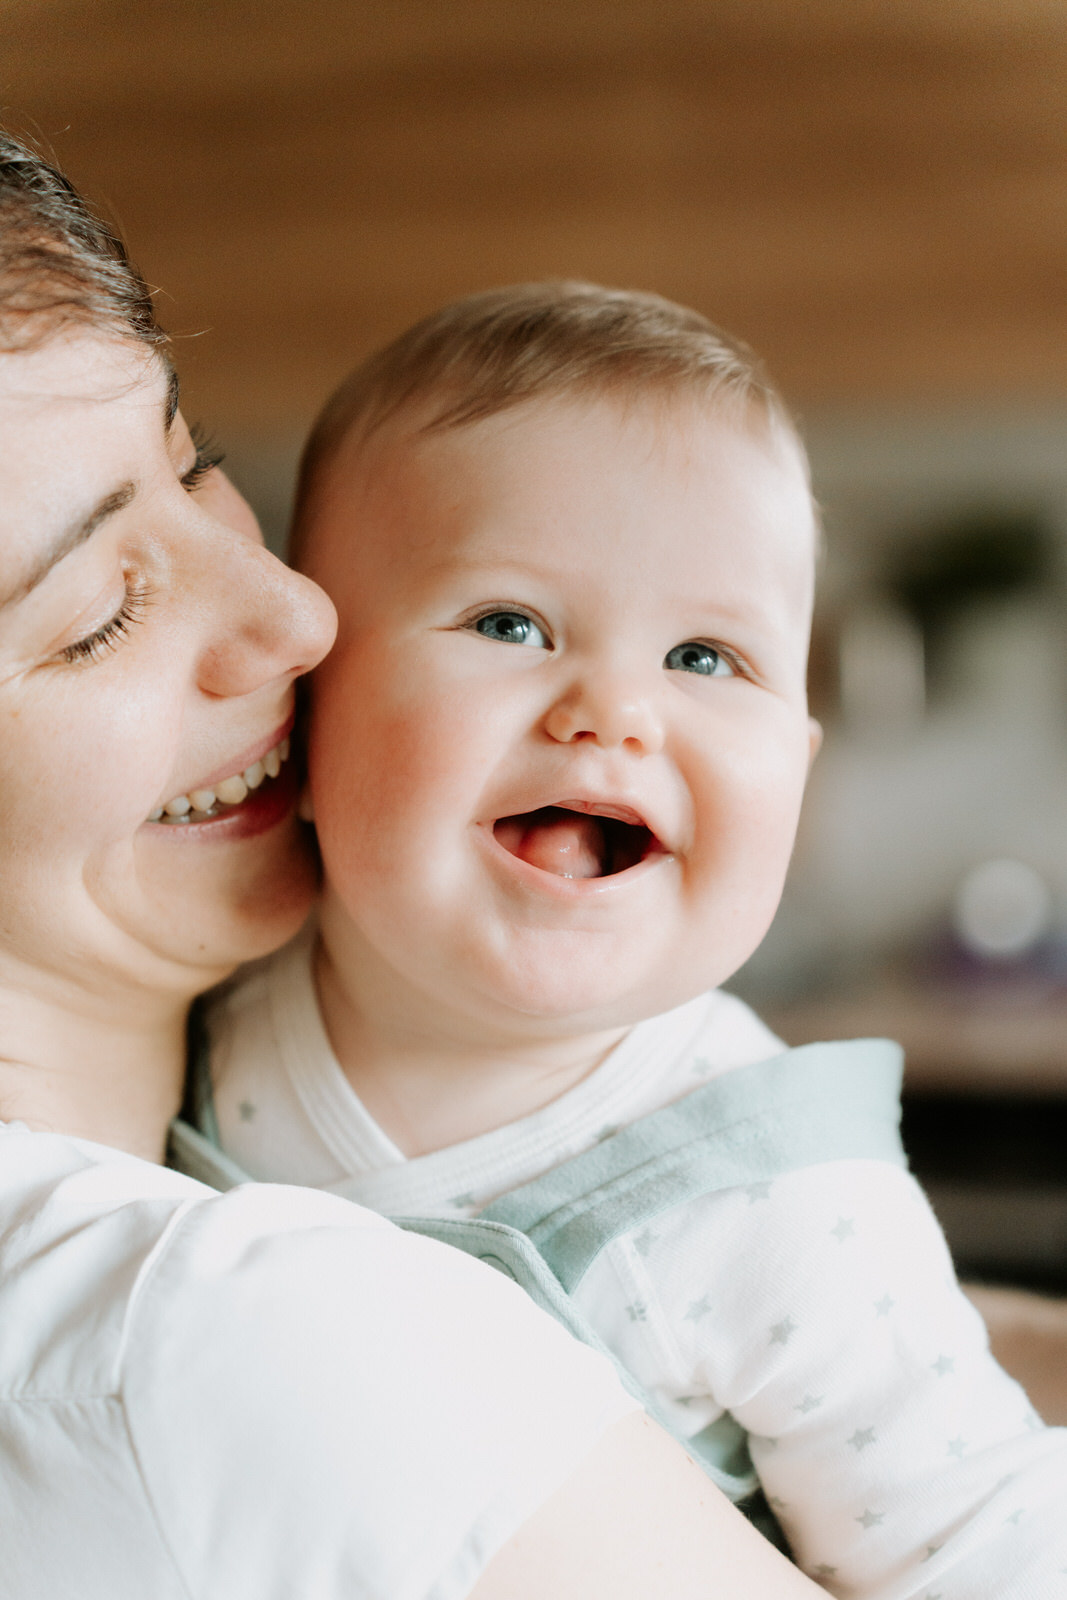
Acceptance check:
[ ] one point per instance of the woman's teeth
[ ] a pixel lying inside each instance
(199, 804)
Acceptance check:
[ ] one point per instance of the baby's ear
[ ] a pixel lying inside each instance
(814, 741)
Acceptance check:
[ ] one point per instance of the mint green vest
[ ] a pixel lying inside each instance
(822, 1102)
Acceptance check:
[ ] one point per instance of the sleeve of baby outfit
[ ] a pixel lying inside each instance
(823, 1312)
(322, 1405)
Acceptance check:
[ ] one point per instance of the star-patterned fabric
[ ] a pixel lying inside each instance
(819, 1309)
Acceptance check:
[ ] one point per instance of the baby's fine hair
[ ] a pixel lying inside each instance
(60, 262)
(490, 351)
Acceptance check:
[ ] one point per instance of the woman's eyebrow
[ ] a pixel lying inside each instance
(69, 539)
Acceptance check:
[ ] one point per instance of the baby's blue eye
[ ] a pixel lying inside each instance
(511, 627)
(699, 658)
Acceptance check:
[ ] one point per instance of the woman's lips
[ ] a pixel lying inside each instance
(201, 804)
(255, 753)
(263, 808)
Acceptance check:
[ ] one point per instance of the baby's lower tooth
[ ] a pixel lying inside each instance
(178, 806)
(255, 774)
(231, 791)
(272, 761)
(203, 799)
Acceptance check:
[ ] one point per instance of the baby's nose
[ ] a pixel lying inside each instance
(608, 710)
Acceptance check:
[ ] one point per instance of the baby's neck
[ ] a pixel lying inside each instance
(429, 1076)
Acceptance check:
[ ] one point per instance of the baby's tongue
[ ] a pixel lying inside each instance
(565, 843)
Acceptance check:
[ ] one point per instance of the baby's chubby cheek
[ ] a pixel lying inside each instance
(376, 764)
(743, 840)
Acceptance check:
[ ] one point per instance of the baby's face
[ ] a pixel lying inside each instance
(558, 753)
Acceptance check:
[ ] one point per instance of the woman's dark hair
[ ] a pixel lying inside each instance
(60, 263)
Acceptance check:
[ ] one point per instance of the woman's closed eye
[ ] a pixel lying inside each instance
(510, 627)
(208, 457)
(104, 639)
(703, 659)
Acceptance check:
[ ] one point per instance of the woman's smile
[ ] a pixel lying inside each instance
(219, 796)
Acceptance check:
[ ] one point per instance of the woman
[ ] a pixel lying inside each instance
(271, 1392)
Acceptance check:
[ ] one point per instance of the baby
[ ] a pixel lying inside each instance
(557, 760)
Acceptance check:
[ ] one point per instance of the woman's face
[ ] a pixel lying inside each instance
(148, 651)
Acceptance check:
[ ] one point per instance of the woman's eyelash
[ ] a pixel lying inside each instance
(208, 456)
(109, 637)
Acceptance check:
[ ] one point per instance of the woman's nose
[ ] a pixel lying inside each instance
(269, 623)
(611, 710)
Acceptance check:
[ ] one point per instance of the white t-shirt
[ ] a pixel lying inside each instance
(820, 1310)
(261, 1395)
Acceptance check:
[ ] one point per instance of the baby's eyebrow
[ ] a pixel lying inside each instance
(73, 535)
(460, 561)
(492, 568)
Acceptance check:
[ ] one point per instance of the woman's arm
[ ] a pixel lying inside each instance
(640, 1521)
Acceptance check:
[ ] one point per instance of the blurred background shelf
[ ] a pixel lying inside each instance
(1010, 1043)
(872, 192)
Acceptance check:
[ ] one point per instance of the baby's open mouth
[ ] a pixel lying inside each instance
(575, 843)
(200, 805)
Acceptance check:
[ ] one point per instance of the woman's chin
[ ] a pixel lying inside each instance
(233, 901)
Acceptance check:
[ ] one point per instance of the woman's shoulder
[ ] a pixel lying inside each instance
(78, 1224)
(95, 1243)
(299, 1382)
(81, 1220)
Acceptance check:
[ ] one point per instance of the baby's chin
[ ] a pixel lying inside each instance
(581, 994)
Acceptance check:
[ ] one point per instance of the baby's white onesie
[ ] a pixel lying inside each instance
(820, 1310)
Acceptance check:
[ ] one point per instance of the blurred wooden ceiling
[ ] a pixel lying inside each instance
(874, 192)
